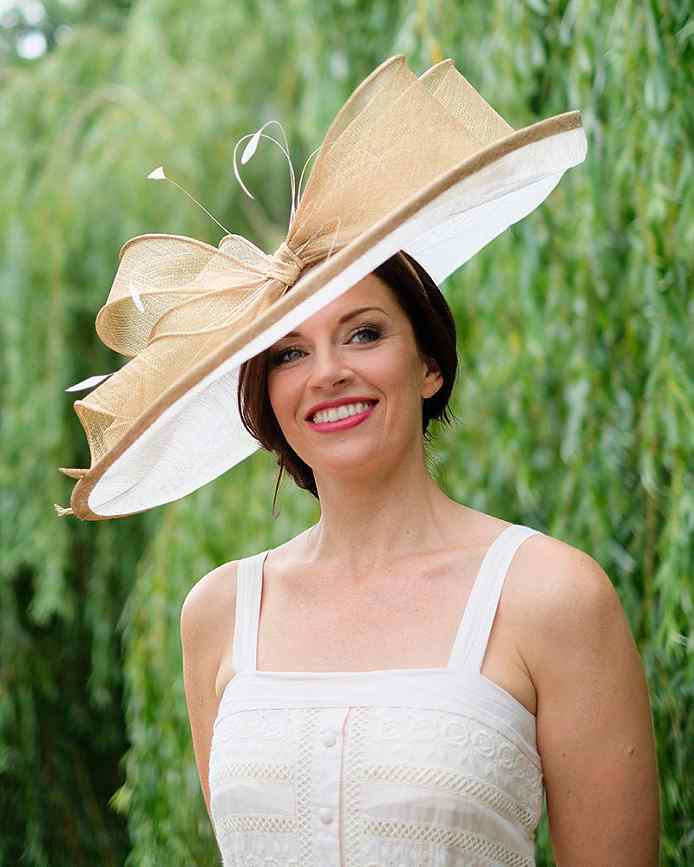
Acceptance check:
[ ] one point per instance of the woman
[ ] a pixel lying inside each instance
(348, 698)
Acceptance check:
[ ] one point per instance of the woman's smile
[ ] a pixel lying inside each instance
(342, 423)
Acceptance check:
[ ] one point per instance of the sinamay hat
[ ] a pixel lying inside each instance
(420, 164)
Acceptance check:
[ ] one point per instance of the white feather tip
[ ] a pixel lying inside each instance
(251, 147)
(88, 383)
(135, 295)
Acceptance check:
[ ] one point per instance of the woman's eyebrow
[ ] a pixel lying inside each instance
(342, 319)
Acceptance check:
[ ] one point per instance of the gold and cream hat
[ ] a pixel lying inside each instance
(421, 164)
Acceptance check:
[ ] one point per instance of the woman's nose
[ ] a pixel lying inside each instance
(327, 367)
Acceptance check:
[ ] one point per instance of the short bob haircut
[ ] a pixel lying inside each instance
(434, 331)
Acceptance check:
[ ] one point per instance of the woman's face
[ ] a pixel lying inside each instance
(366, 355)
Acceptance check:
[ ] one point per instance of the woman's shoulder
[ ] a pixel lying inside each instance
(563, 595)
(558, 573)
(212, 598)
(208, 609)
(208, 614)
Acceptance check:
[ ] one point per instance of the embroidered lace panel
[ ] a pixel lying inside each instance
(413, 771)
(427, 756)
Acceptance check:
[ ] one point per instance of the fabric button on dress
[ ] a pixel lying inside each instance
(383, 768)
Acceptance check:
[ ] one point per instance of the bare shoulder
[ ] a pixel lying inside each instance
(562, 590)
(560, 568)
(208, 611)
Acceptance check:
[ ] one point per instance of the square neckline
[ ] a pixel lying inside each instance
(380, 672)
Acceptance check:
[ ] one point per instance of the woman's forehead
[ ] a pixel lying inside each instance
(368, 288)
(370, 292)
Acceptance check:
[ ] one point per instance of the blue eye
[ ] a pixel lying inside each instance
(280, 357)
(368, 330)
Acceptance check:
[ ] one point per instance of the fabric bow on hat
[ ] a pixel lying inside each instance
(416, 163)
(173, 300)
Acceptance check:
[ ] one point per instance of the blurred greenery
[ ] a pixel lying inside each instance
(576, 394)
(31, 28)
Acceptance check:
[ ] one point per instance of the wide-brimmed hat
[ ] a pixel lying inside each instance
(418, 164)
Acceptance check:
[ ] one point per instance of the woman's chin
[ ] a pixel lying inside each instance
(348, 460)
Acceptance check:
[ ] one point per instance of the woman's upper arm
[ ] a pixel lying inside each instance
(594, 728)
(207, 624)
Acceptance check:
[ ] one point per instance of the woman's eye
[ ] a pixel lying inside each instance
(369, 330)
(280, 357)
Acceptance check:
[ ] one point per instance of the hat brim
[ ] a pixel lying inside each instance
(193, 432)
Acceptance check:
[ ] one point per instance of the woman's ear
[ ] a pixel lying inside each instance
(433, 378)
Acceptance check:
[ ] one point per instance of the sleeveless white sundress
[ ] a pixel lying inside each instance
(405, 767)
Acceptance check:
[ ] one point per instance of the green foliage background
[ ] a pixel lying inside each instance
(576, 394)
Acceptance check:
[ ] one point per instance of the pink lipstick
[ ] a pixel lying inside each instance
(342, 423)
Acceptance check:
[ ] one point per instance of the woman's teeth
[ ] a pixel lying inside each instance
(338, 412)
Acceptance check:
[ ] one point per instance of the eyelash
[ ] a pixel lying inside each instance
(276, 358)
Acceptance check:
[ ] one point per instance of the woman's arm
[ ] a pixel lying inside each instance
(207, 627)
(594, 729)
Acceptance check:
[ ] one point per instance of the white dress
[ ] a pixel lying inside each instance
(411, 767)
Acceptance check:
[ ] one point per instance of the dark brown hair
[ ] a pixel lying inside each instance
(435, 335)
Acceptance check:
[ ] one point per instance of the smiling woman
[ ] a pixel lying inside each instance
(412, 297)
(403, 680)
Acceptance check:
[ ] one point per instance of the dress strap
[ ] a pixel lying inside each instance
(249, 584)
(480, 610)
